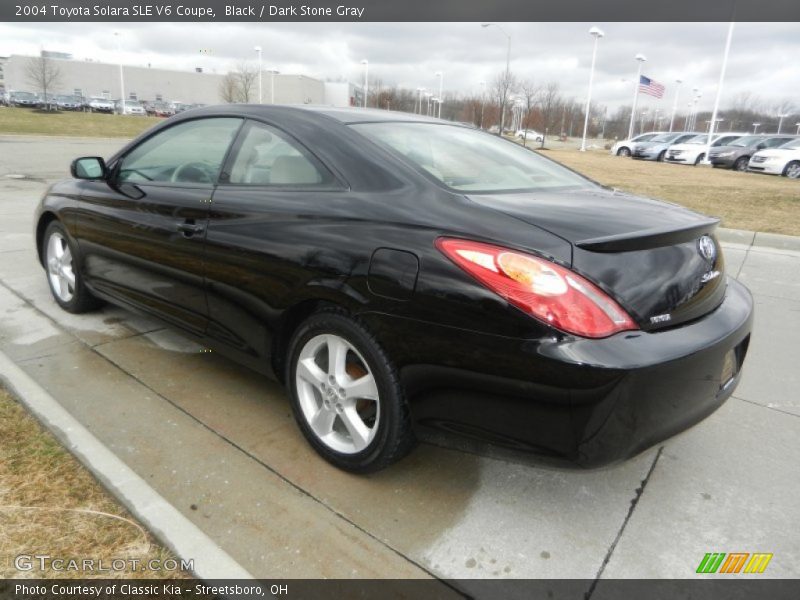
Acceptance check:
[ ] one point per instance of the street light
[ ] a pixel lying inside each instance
(508, 70)
(365, 62)
(419, 99)
(755, 127)
(272, 72)
(483, 100)
(121, 77)
(798, 128)
(640, 58)
(441, 81)
(675, 103)
(258, 51)
(781, 117)
(596, 34)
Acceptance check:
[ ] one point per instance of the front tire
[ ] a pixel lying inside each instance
(661, 156)
(699, 159)
(346, 395)
(63, 276)
(624, 151)
(792, 170)
(741, 164)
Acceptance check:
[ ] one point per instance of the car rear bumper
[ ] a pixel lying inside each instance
(591, 401)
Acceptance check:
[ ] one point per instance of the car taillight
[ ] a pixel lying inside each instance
(541, 288)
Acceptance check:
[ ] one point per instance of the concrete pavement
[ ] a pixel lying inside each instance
(219, 443)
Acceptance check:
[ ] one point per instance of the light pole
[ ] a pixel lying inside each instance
(798, 128)
(640, 58)
(272, 72)
(675, 103)
(508, 72)
(440, 75)
(260, 88)
(419, 100)
(365, 62)
(781, 117)
(121, 77)
(641, 126)
(656, 119)
(483, 100)
(717, 98)
(755, 128)
(596, 34)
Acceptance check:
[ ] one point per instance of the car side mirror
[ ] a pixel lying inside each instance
(761, 147)
(89, 167)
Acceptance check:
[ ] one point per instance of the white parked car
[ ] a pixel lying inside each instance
(625, 147)
(532, 135)
(783, 160)
(97, 104)
(132, 107)
(693, 151)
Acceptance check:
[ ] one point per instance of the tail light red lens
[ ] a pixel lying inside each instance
(543, 289)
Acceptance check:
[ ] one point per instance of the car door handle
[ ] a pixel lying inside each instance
(189, 229)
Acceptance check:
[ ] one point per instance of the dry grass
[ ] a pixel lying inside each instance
(742, 200)
(51, 505)
(27, 121)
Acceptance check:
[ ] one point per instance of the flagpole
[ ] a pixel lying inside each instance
(719, 90)
(675, 104)
(640, 58)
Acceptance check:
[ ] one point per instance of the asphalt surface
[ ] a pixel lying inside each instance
(219, 443)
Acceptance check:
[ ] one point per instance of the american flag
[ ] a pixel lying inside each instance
(650, 86)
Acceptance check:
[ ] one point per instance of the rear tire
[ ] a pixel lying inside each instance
(624, 151)
(741, 163)
(59, 257)
(346, 394)
(792, 170)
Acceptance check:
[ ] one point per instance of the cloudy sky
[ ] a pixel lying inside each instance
(763, 57)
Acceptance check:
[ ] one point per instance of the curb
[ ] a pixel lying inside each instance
(758, 239)
(162, 519)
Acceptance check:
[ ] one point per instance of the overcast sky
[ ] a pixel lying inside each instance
(763, 61)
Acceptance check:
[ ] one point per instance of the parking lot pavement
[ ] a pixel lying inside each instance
(219, 443)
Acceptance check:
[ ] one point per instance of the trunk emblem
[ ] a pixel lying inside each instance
(707, 248)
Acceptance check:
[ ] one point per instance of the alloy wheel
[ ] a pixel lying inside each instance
(793, 170)
(337, 393)
(60, 269)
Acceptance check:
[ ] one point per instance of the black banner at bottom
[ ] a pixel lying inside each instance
(387, 589)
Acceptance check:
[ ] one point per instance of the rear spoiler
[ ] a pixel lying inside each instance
(649, 238)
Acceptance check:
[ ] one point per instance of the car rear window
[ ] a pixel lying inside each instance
(469, 160)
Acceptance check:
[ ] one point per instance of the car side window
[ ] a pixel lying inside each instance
(774, 142)
(189, 152)
(266, 157)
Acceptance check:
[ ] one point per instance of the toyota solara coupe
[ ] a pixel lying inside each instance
(396, 272)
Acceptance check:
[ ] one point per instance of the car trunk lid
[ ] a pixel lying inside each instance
(660, 261)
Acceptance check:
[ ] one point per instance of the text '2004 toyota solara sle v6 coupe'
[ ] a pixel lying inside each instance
(397, 272)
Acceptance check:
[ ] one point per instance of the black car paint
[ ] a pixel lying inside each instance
(255, 261)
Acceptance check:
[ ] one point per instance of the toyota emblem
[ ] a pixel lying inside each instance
(707, 248)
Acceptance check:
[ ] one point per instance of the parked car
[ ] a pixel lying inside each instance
(24, 99)
(392, 268)
(623, 147)
(131, 107)
(737, 154)
(656, 147)
(67, 102)
(530, 134)
(98, 104)
(783, 160)
(693, 150)
(158, 109)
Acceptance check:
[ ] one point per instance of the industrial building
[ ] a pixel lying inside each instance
(88, 78)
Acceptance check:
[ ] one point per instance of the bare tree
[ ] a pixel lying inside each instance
(44, 74)
(549, 103)
(529, 92)
(246, 76)
(229, 88)
(503, 86)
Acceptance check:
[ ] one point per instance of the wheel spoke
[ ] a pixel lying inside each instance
(308, 370)
(363, 387)
(337, 358)
(66, 255)
(69, 276)
(322, 422)
(358, 431)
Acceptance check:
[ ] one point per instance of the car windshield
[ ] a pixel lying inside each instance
(469, 160)
(665, 137)
(748, 140)
(791, 145)
(645, 137)
(698, 139)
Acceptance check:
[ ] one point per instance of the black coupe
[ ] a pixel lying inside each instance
(395, 271)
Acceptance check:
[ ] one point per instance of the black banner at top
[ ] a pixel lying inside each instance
(398, 10)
